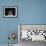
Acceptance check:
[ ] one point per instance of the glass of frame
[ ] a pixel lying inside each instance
(10, 11)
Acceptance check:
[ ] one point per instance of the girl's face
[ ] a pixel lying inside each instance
(10, 13)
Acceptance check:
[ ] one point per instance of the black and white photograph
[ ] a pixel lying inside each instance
(10, 11)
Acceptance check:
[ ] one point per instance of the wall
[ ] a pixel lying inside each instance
(7, 25)
(29, 12)
(32, 11)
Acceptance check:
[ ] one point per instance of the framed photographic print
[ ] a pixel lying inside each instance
(33, 32)
(10, 11)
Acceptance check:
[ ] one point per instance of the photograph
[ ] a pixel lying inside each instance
(10, 11)
(32, 32)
